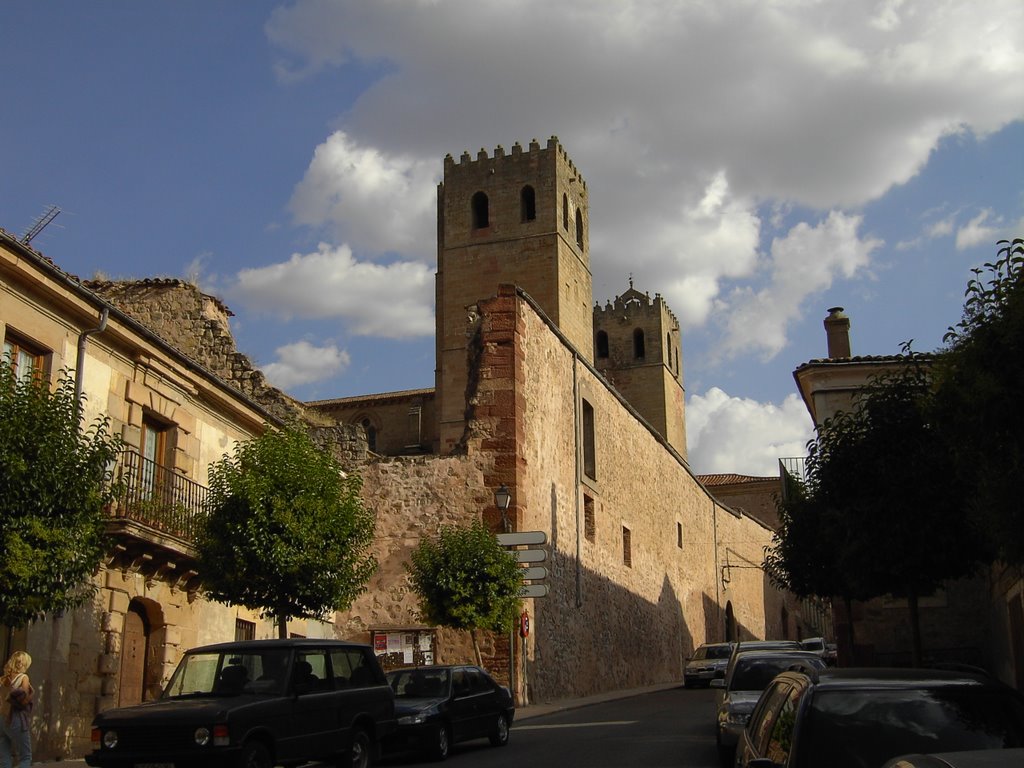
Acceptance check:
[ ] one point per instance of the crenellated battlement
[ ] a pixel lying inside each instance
(634, 301)
(485, 163)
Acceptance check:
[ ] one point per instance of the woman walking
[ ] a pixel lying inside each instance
(15, 708)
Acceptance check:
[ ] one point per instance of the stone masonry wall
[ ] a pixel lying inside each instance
(197, 325)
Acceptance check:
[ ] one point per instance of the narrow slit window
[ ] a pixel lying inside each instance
(627, 547)
(528, 203)
(579, 227)
(565, 212)
(589, 445)
(639, 346)
(481, 212)
(589, 523)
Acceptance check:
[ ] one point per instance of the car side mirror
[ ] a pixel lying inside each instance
(718, 682)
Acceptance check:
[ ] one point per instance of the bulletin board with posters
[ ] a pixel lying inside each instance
(403, 647)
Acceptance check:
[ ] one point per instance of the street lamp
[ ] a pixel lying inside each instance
(502, 498)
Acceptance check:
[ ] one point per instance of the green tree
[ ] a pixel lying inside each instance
(466, 580)
(287, 533)
(980, 381)
(882, 511)
(55, 483)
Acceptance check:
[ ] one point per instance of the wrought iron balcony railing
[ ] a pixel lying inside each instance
(158, 497)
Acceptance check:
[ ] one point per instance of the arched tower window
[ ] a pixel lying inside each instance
(668, 349)
(480, 211)
(371, 431)
(565, 211)
(579, 227)
(639, 351)
(528, 203)
(602, 344)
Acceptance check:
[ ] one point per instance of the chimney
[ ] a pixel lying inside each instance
(837, 331)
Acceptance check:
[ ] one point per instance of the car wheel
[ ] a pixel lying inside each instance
(441, 742)
(499, 736)
(255, 755)
(359, 754)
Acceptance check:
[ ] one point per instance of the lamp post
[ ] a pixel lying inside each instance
(502, 499)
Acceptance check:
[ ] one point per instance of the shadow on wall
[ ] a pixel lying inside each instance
(594, 635)
(65, 696)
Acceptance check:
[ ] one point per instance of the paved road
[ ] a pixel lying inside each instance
(664, 728)
(672, 728)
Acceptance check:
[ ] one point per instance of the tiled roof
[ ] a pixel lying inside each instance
(405, 393)
(853, 360)
(733, 479)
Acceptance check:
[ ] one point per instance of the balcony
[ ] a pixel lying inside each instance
(155, 519)
(791, 471)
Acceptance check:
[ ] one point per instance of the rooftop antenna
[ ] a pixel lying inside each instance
(40, 224)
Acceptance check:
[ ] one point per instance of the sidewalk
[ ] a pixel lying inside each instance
(522, 713)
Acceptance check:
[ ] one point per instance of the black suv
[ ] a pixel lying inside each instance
(255, 704)
(848, 718)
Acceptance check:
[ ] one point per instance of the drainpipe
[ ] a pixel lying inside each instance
(83, 339)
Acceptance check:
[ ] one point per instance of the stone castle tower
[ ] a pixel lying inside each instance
(516, 218)
(637, 348)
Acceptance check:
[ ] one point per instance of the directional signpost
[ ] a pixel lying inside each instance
(531, 573)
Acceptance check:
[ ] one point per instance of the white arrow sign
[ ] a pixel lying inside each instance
(533, 590)
(523, 537)
(537, 572)
(530, 555)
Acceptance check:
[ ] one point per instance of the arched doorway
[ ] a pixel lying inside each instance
(730, 624)
(134, 652)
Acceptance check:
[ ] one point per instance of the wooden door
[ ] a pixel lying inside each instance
(133, 657)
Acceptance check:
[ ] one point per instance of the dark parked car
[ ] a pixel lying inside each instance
(850, 718)
(749, 676)
(760, 645)
(707, 663)
(255, 704)
(438, 706)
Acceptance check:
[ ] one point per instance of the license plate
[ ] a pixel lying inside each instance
(154, 765)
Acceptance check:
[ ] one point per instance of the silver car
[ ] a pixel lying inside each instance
(707, 663)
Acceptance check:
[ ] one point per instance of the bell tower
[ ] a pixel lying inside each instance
(517, 218)
(639, 350)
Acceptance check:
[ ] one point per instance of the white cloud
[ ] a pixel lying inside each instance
(303, 363)
(731, 434)
(393, 301)
(375, 201)
(686, 118)
(975, 232)
(802, 264)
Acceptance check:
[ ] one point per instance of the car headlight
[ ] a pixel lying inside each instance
(202, 736)
(110, 739)
(738, 718)
(419, 717)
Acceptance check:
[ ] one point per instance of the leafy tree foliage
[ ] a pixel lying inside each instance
(287, 531)
(981, 379)
(55, 482)
(882, 511)
(466, 580)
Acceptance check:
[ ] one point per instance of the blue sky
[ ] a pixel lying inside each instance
(754, 162)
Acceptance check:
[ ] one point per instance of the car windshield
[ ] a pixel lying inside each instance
(420, 683)
(718, 651)
(856, 729)
(230, 673)
(755, 674)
